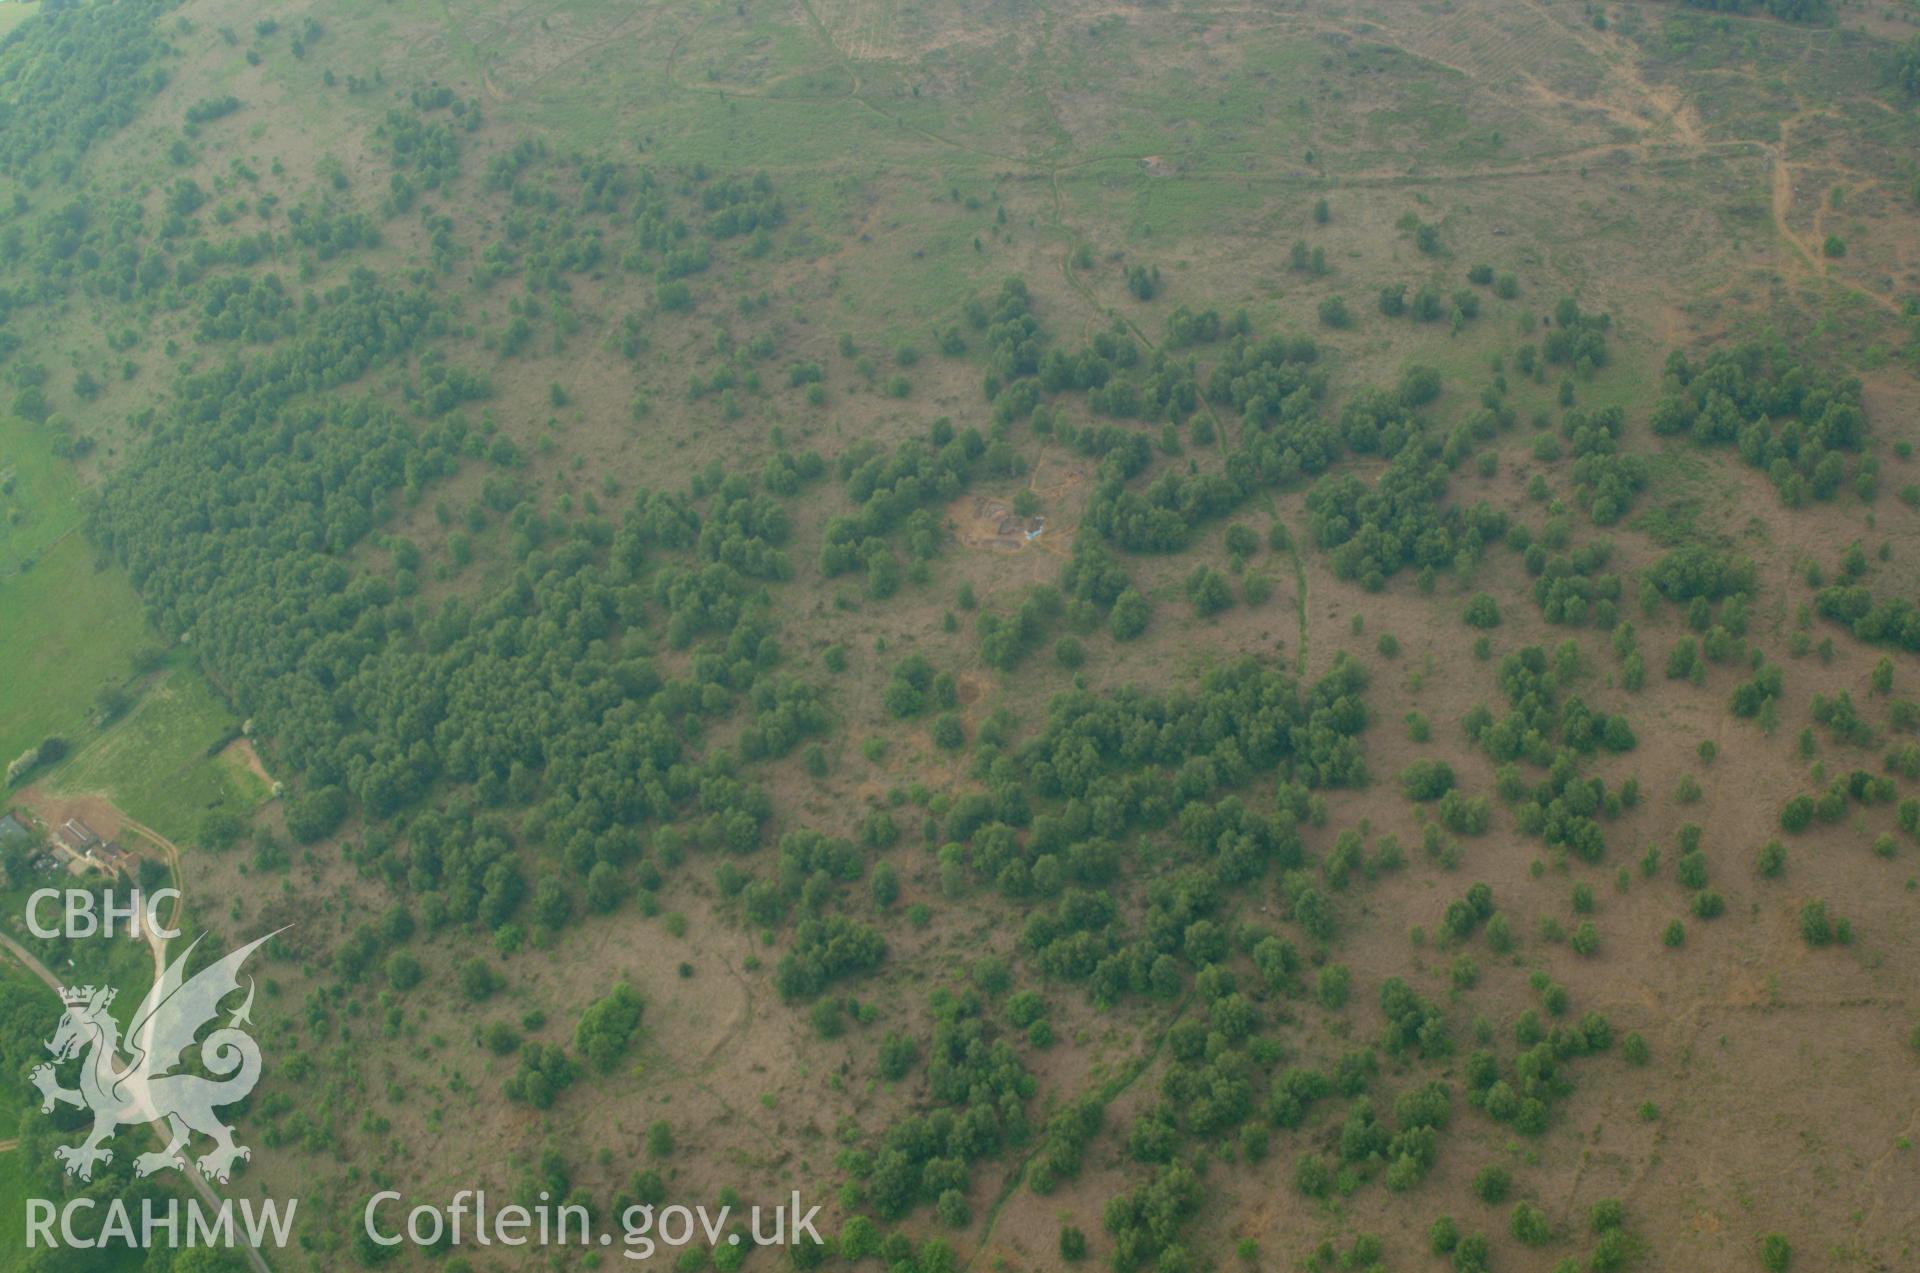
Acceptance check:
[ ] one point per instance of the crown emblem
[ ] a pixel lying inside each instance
(81, 996)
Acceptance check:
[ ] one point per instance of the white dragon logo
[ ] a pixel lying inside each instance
(149, 1087)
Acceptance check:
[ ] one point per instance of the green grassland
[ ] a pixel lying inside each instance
(66, 627)
(13, 15)
(157, 764)
(66, 630)
(39, 504)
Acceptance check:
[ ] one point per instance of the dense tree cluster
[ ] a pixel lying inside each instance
(208, 109)
(1185, 327)
(424, 149)
(80, 73)
(1698, 570)
(1818, 12)
(1577, 339)
(1607, 480)
(896, 492)
(1906, 67)
(1891, 620)
(1373, 529)
(824, 951)
(608, 1025)
(1120, 382)
(980, 1089)
(1794, 420)
(1571, 587)
(1551, 732)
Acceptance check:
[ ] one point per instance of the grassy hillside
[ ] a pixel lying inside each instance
(1184, 635)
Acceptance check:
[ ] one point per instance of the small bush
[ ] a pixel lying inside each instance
(1529, 1225)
